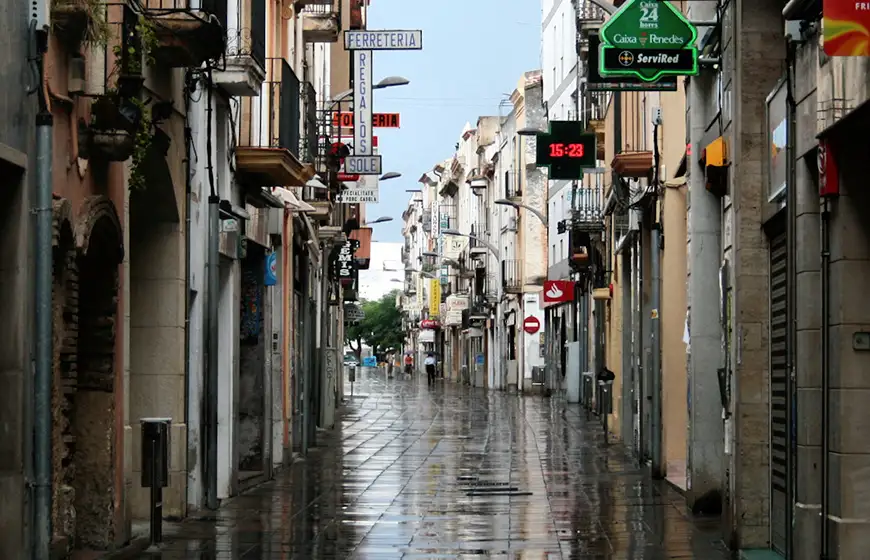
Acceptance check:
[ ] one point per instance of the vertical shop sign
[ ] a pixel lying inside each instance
(362, 103)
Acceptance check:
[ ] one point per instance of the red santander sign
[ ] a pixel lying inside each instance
(531, 325)
(558, 291)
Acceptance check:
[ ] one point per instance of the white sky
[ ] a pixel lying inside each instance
(375, 282)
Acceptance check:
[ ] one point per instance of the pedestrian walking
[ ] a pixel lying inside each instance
(429, 362)
(409, 365)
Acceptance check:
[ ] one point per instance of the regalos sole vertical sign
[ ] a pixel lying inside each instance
(362, 103)
(846, 28)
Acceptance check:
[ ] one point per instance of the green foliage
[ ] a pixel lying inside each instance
(381, 329)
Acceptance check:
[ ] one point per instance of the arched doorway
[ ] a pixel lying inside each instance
(100, 251)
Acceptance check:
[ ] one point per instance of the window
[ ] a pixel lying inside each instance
(553, 253)
(561, 48)
(562, 248)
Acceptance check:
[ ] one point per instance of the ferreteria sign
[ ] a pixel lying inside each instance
(648, 39)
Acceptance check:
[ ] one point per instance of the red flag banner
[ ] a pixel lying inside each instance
(846, 28)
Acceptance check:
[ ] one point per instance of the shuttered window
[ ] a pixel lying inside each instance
(778, 393)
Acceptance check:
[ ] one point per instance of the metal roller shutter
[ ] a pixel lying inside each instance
(778, 394)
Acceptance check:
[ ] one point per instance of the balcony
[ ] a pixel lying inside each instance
(513, 187)
(310, 141)
(587, 208)
(321, 21)
(245, 68)
(476, 248)
(269, 128)
(186, 33)
(512, 276)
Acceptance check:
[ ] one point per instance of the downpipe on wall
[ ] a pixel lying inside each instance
(213, 273)
(826, 374)
(791, 298)
(42, 417)
(658, 469)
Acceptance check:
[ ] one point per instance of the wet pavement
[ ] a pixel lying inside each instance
(453, 472)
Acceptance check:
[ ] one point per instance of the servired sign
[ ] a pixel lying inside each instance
(379, 120)
(558, 291)
(531, 325)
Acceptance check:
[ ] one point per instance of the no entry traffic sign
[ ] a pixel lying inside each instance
(531, 325)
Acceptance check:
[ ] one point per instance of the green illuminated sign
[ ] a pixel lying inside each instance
(648, 39)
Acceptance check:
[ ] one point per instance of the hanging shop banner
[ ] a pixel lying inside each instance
(344, 264)
(558, 291)
(434, 297)
(362, 108)
(271, 277)
(453, 246)
(846, 28)
(648, 39)
(566, 150)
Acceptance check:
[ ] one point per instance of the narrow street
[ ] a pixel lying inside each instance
(453, 472)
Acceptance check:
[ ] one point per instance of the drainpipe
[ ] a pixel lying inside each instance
(658, 470)
(212, 299)
(791, 301)
(826, 375)
(43, 378)
(188, 201)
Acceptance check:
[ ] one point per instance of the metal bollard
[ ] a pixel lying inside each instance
(155, 469)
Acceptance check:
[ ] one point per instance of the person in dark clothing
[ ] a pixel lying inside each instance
(429, 362)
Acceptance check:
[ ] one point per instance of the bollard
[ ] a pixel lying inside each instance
(155, 469)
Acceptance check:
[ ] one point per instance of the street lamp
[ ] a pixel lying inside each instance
(380, 220)
(530, 131)
(389, 81)
(390, 175)
(517, 205)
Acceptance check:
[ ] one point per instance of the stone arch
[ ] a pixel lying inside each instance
(64, 367)
(99, 242)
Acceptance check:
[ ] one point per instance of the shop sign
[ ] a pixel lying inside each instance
(648, 39)
(429, 324)
(558, 291)
(845, 28)
(452, 318)
(458, 303)
(345, 264)
(353, 313)
(596, 82)
(271, 273)
(531, 324)
(434, 297)
(383, 40)
(566, 149)
(362, 102)
(379, 120)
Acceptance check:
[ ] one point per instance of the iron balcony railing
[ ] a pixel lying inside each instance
(587, 206)
(272, 119)
(309, 143)
(322, 7)
(212, 8)
(512, 274)
(246, 32)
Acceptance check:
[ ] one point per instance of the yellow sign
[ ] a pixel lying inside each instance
(434, 297)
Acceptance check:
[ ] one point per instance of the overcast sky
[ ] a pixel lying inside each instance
(375, 282)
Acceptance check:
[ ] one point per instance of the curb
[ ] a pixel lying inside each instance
(133, 549)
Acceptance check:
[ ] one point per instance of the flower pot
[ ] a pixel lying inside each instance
(110, 145)
(69, 21)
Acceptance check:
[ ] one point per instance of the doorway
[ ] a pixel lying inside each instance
(252, 366)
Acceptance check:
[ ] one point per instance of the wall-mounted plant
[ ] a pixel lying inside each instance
(141, 144)
(80, 22)
(137, 46)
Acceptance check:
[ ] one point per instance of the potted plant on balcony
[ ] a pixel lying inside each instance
(120, 124)
(80, 21)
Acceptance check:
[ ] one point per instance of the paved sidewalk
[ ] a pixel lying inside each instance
(453, 472)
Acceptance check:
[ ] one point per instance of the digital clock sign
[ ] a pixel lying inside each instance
(566, 150)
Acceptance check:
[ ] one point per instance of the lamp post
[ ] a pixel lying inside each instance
(497, 367)
(380, 220)
(517, 205)
(390, 175)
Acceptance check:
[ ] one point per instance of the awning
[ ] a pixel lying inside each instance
(291, 201)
